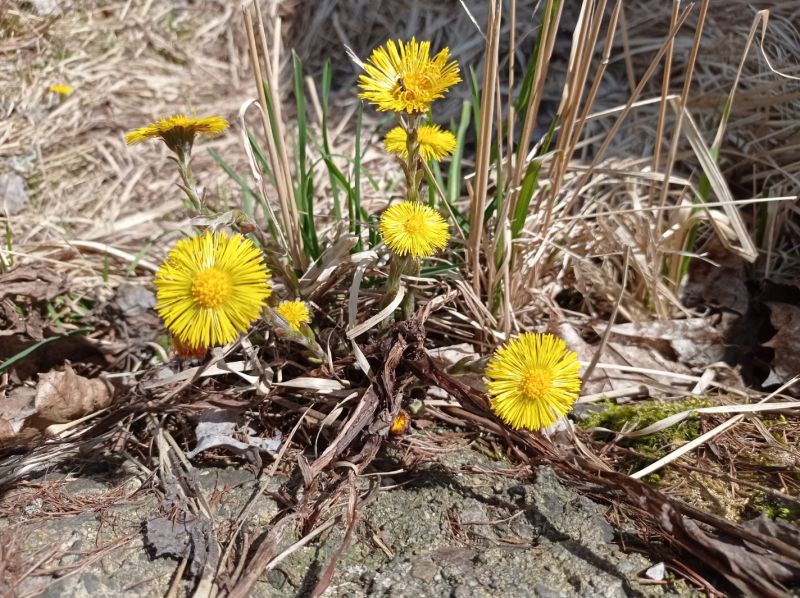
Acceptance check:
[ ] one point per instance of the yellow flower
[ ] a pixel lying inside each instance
(413, 228)
(187, 352)
(434, 144)
(533, 380)
(178, 131)
(400, 424)
(211, 288)
(61, 89)
(403, 77)
(295, 313)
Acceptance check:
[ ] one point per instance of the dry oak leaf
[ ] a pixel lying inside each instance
(65, 396)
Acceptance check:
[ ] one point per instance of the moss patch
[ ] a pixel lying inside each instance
(639, 415)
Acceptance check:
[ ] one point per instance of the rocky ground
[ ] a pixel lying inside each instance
(439, 532)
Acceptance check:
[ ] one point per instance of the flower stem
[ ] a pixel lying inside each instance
(397, 267)
(413, 171)
(184, 160)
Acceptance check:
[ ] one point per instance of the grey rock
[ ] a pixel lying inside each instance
(440, 533)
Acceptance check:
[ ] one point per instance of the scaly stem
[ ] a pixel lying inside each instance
(414, 173)
(398, 266)
(184, 160)
(412, 165)
(409, 301)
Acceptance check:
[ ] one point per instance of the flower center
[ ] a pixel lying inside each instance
(418, 81)
(414, 224)
(211, 288)
(535, 384)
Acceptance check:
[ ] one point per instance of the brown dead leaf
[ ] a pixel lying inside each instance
(65, 396)
(785, 318)
(6, 430)
(717, 281)
(695, 342)
(17, 406)
(73, 347)
(34, 282)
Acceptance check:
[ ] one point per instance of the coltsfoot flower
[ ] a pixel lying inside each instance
(414, 228)
(211, 288)
(533, 380)
(295, 313)
(61, 89)
(179, 131)
(434, 144)
(403, 77)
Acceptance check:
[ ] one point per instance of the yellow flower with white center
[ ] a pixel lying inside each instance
(179, 131)
(533, 380)
(295, 313)
(211, 288)
(414, 228)
(434, 144)
(403, 77)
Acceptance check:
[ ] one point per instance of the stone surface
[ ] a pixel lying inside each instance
(442, 532)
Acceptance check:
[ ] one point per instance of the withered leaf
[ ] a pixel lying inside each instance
(65, 396)
(36, 282)
(717, 281)
(220, 428)
(17, 406)
(186, 537)
(695, 341)
(785, 318)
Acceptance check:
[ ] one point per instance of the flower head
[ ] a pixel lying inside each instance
(413, 228)
(211, 288)
(400, 424)
(295, 313)
(61, 89)
(187, 352)
(179, 131)
(533, 380)
(434, 144)
(403, 77)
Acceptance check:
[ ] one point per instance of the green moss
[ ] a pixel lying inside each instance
(774, 508)
(642, 414)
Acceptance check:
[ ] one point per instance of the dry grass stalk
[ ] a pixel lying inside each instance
(275, 145)
(482, 162)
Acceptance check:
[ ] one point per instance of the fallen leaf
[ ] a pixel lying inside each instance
(217, 428)
(181, 534)
(16, 407)
(785, 318)
(35, 282)
(6, 430)
(695, 342)
(65, 396)
(717, 280)
(49, 355)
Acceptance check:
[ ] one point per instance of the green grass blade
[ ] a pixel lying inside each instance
(354, 210)
(261, 158)
(454, 176)
(529, 184)
(304, 191)
(326, 91)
